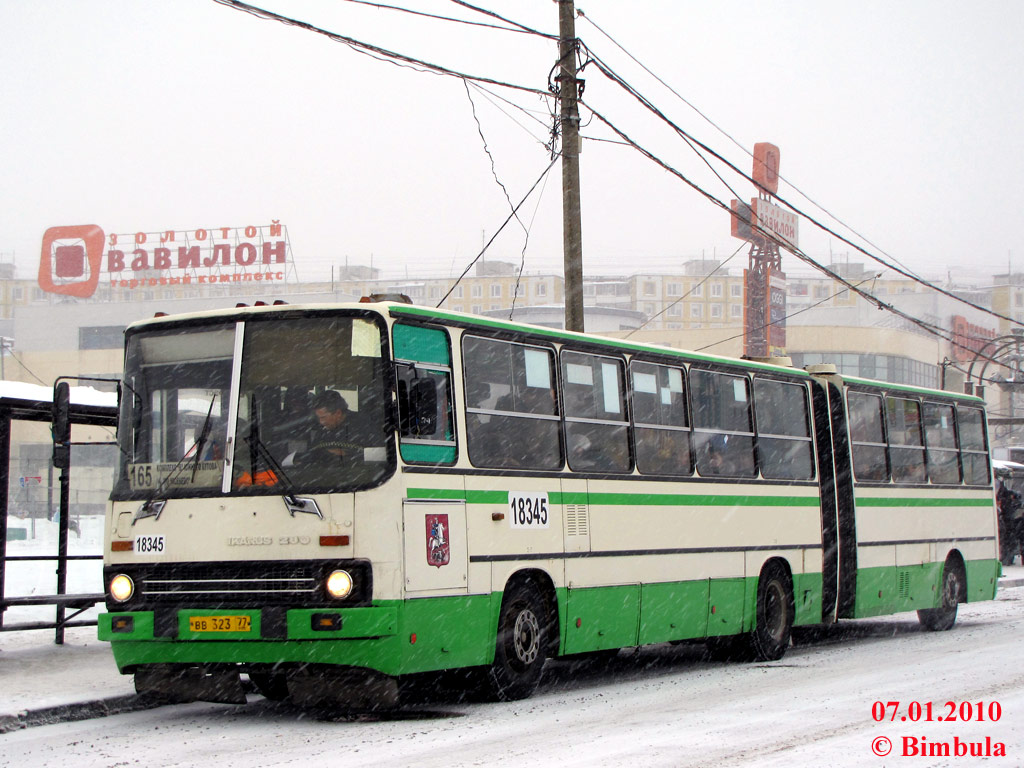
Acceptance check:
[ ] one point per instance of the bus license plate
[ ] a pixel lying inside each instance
(220, 623)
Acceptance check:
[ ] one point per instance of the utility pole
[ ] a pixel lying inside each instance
(572, 231)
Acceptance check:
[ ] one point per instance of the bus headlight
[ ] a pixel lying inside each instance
(122, 587)
(339, 584)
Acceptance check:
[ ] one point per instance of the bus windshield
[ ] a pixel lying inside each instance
(270, 405)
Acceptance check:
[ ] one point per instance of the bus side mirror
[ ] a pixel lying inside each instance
(423, 407)
(61, 425)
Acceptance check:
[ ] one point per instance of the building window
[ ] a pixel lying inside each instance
(674, 289)
(650, 289)
(458, 292)
(101, 337)
(696, 311)
(716, 311)
(496, 291)
(736, 290)
(476, 291)
(736, 310)
(716, 290)
(698, 290)
(675, 310)
(542, 289)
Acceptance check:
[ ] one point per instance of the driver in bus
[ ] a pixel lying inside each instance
(333, 442)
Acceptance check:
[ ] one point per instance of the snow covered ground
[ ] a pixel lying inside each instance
(659, 706)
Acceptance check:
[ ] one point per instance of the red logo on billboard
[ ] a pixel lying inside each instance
(766, 167)
(70, 261)
(438, 547)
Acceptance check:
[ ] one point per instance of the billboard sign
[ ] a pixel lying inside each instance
(777, 220)
(73, 260)
(741, 221)
(766, 167)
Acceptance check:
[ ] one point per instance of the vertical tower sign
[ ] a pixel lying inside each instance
(764, 225)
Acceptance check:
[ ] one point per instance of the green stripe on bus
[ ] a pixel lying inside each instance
(890, 501)
(624, 499)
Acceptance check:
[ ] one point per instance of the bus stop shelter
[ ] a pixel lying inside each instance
(31, 403)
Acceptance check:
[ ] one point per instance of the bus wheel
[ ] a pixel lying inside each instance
(774, 622)
(522, 645)
(944, 617)
(271, 685)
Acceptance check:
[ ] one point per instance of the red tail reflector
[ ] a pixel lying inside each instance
(334, 541)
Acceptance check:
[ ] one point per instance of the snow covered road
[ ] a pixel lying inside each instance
(660, 706)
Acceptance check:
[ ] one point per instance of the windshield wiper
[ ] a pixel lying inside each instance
(153, 506)
(258, 450)
(204, 435)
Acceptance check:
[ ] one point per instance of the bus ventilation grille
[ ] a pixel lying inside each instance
(577, 521)
(904, 584)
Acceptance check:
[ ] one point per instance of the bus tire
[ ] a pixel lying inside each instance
(953, 586)
(773, 623)
(271, 685)
(522, 644)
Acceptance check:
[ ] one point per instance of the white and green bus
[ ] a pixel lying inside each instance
(504, 494)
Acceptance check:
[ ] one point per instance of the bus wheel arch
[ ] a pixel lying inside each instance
(952, 592)
(526, 636)
(774, 611)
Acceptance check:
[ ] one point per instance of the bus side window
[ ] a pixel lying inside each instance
(906, 443)
(723, 437)
(661, 425)
(511, 410)
(867, 436)
(940, 437)
(784, 446)
(423, 383)
(596, 429)
(973, 447)
(426, 431)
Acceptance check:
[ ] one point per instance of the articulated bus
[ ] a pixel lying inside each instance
(503, 494)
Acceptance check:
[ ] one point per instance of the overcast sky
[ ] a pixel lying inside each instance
(902, 119)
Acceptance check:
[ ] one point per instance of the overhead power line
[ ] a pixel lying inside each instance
(687, 294)
(607, 72)
(931, 328)
(518, 29)
(733, 140)
(495, 235)
(374, 50)
(494, 15)
(784, 319)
